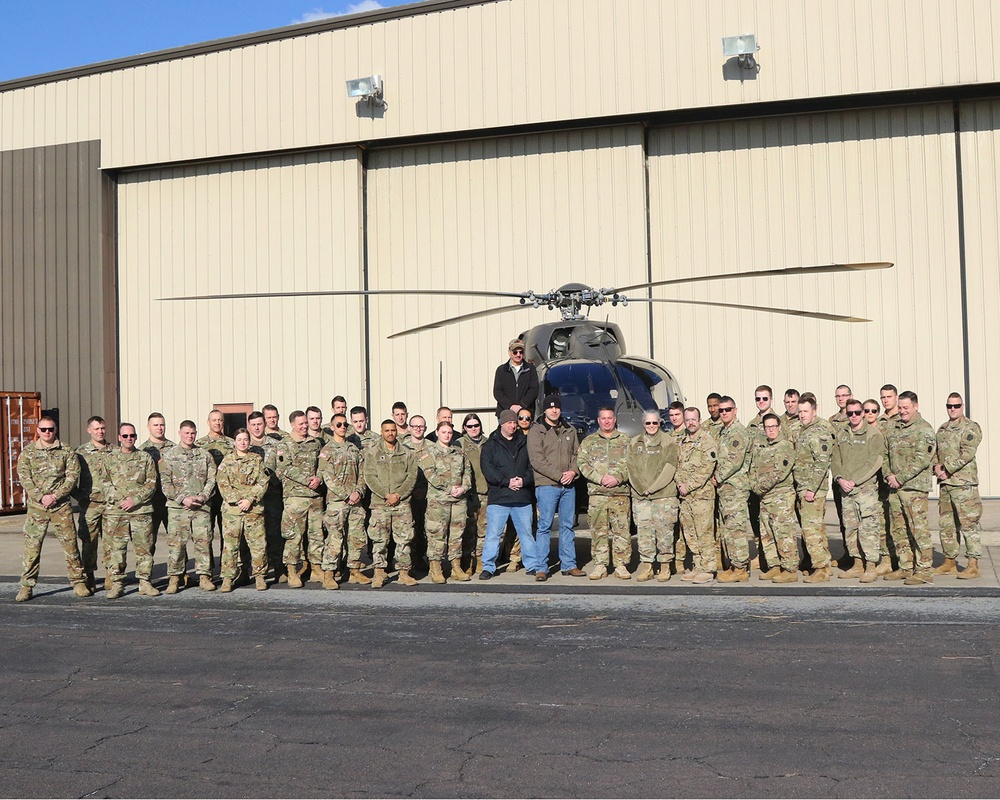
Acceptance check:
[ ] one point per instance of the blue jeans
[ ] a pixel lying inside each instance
(550, 500)
(496, 521)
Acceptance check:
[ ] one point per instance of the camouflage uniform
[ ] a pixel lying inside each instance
(771, 480)
(680, 548)
(49, 470)
(608, 508)
(188, 472)
(297, 462)
(957, 442)
(791, 425)
(364, 440)
(714, 427)
(273, 504)
(732, 476)
(885, 513)
(418, 502)
(127, 475)
(218, 447)
(909, 456)
(696, 460)
(340, 468)
(476, 524)
(390, 472)
(858, 458)
(89, 495)
(652, 464)
(838, 421)
(813, 453)
(156, 450)
(443, 468)
(243, 477)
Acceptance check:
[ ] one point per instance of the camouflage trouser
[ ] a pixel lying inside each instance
(861, 522)
(961, 504)
(118, 529)
(734, 520)
(697, 516)
(476, 523)
(609, 520)
(36, 525)
(777, 510)
(654, 523)
(90, 526)
(273, 508)
(302, 518)
(251, 528)
(884, 518)
(193, 526)
(910, 530)
(343, 522)
(160, 517)
(395, 522)
(444, 523)
(811, 516)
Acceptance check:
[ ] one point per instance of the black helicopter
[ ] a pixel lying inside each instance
(585, 361)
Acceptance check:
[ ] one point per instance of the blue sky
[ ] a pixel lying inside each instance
(39, 36)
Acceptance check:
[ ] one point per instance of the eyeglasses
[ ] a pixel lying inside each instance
(473, 425)
(128, 435)
(517, 352)
(652, 422)
(46, 430)
(726, 410)
(418, 427)
(772, 427)
(951, 406)
(339, 424)
(854, 413)
(762, 399)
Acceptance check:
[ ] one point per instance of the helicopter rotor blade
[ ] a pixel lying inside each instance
(789, 311)
(782, 271)
(352, 293)
(489, 312)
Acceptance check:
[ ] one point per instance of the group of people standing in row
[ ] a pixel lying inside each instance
(304, 504)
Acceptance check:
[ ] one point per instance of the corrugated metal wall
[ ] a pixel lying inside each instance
(281, 224)
(57, 286)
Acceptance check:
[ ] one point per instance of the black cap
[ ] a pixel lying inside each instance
(552, 401)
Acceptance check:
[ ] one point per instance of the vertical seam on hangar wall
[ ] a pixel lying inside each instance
(364, 282)
(963, 277)
(649, 234)
(110, 293)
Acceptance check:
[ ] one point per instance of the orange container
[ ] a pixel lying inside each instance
(19, 413)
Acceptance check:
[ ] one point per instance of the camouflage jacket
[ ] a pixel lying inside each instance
(771, 470)
(605, 455)
(697, 457)
(790, 425)
(957, 442)
(840, 418)
(652, 465)
(47, 470)
(733, 456)
(886, 422)
(242, 477)
(296, 463)
(858, 456)
(910, 453)
(340, 468)
(755, 428)
(473, 452)
(389, 472)
(443, 468)
(218, 448)
(813, 453)
(415, 447)
(265, 447)
(187, 472)
(125, 475)
(89, 488)
(364, 440)
(714, 427)
(156, 450)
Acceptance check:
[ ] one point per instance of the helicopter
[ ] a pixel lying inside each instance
(585, 361)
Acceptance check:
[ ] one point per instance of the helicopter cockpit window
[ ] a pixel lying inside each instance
(649, 389)
(584, 388)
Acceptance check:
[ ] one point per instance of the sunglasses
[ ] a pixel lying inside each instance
(652, 422)
(340, 425)
(854, 413)
(952, 406)
(473, 425)
(871, 410)
(727, 409)
(523, 418)
(762, 399)
(128, 435)
(46, 430)
(518, 351)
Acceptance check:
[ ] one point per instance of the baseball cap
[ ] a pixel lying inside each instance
(515, 343)
(507, 416)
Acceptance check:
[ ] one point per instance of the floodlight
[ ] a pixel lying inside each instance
(369, 89)
(743, 48)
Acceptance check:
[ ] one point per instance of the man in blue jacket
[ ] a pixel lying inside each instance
(510, 480)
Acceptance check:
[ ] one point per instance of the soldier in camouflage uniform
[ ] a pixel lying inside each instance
(767, 553)
(271, 419)
(732, 482)
(91, 500)
(297, 465)
(340, 464)
(652, 466)
(771, 479)
(958, 478)
(870, 412)
(218, 446)
(263, 444)
(714, 423)
(838, 421)
(314, 424)
(472, 442)
(187, 475)
(390, 472)
(889, 397)
(675, 415)
(243, 480)
(857, 459)
(48, 472)
(813, 452)
(415, 440)
(907, 469)
(128, 478)
(361, 436)
(449, 478)
(790, 423)
(155, 445)
(603, 458)
(696, 461)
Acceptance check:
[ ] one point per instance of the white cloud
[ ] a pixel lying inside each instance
(352, 8)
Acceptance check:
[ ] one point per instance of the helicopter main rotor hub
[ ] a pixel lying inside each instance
(572, 298)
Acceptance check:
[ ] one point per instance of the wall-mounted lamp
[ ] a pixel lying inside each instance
(368, 89)
(743, 47)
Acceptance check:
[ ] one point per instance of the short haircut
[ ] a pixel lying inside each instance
(713, 396)
(216, 411)
(677, 405)
(908, 395)
(956, 395)
(764, 388)
(808, 397)
(254, 415)
(155, 415)
(385, 422)
(187, 423)
(727, 399)
(853, 402)
(270, 407)
(693, 410)
(399, 405)
(95, 419)
(296, 414)
(338, 399)
(873, 401)
(125, 425)
(416, 417)
(889, 388)
(606, 407)
(47, 419)
(844, 386)
(770, 416)
(314, 410)
(792, 393)
(359, 410)
(338, 415)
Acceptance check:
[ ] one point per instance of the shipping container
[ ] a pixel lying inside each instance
(19, 413)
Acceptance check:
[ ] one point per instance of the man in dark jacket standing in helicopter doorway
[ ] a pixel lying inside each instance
(516, 383)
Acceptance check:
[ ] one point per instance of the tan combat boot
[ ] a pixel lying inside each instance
(644, 573)
(856, 570)
(971, 570)
(734, 575)
(664, 574)
(23, 595)
(703, 577)
(622, 573)
(116, 591)
(205, 583)
(884, 566)
(819, 575)
(408, 580)
(261, 583)
(357, 576)
(457, 573)
(437, 576)
(294, 579)
(318, 574)
(330, 580)
(146, 589)
(174, 585)
(897, 574)
(81, 590)
(786, 576)
(871, 574)
(949, 567)
(379, 581)
(919, 578)
(770, 575)
(597, 573)
(107, 583)
(227, 585)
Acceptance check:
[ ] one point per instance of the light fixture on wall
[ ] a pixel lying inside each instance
(743, 48)
(369, 90)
